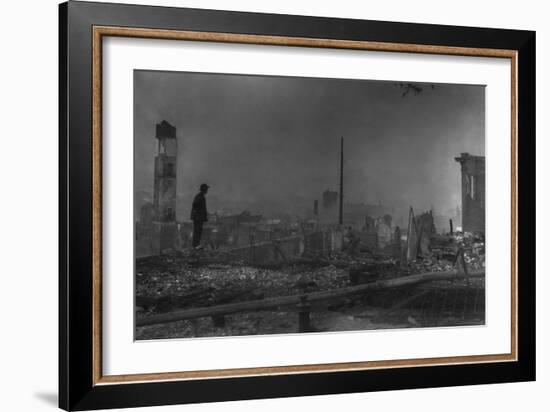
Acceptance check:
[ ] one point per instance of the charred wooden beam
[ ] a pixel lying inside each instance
(271, 303)
(401, 304)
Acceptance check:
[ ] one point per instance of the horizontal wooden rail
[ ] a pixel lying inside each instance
(270, 303)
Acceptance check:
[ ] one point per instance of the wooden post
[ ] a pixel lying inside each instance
(419, 239)
(451, 225)
(468, 286)
(277, 302)
(304, 308)
(464, 268)
(252, 240)
(412, 237)
(341, 199)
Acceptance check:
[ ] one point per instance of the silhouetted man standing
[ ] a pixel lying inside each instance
(199, 215)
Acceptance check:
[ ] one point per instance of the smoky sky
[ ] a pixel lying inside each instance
(270, 144)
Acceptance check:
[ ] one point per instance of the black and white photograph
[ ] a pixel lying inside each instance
(216, 206)
(281, 205)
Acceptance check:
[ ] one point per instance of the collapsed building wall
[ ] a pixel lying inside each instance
(324, 241)
(473, 192)
(156, 230)
(329, 211)
(384, 230)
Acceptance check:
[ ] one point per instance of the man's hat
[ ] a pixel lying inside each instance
(204, 186)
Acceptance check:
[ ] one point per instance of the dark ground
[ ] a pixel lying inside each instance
(186, 280)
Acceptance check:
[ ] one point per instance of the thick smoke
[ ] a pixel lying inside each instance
(270, 145)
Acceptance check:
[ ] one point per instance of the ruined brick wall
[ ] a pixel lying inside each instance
(164, 196)
(145, 242)
(156, 231)
(324, 241)
(473, 192)
(155, 238)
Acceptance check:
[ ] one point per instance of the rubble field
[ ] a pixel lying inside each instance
(188, 279)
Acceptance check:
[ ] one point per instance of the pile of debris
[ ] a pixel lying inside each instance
(473, 245)
(446, 249)
(170, 282)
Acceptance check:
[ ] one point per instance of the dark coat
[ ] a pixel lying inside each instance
(198, 210)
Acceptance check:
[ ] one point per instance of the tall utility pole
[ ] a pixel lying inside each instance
(341, 208)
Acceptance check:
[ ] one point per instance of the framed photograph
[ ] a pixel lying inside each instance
(257, 205)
